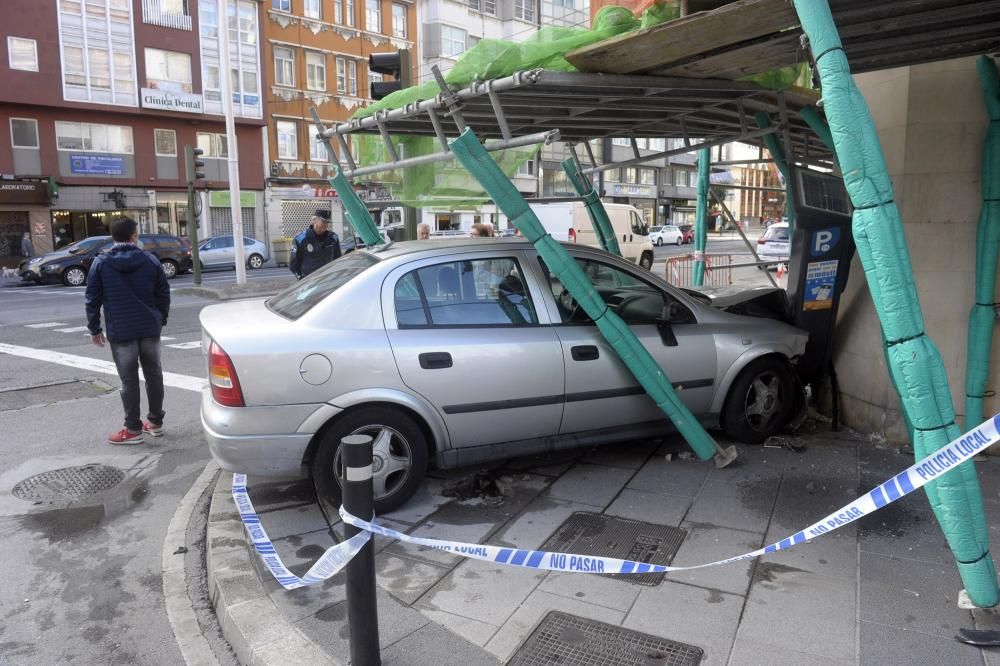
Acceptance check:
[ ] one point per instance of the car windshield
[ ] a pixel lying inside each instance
(86, 245)
(298, 299)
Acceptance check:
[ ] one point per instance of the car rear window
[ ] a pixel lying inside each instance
(298, 299)
(776, 233)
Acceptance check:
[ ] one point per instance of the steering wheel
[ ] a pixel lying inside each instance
(568, 304)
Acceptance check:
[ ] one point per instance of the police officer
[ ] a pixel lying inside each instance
(315, 247)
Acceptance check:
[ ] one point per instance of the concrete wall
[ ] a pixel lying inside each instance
(931, 122)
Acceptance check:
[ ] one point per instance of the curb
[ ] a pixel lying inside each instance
(254, 626)
(234, 292)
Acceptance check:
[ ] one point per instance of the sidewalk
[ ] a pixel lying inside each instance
(882, 590)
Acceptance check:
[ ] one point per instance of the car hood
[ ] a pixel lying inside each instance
(766, 302)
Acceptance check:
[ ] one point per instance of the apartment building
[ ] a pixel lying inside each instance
(317, 57)
(99, 98)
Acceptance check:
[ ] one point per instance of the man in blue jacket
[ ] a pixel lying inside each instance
(315, 247)
(131, 286)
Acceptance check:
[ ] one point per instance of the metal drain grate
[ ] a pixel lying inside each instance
(68, 483)
(586, 533)
(568, 640)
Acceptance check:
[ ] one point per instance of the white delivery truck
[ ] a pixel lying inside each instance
(569, 221)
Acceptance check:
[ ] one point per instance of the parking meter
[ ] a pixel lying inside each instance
(822, 247)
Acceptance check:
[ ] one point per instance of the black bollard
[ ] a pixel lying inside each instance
(359, 500)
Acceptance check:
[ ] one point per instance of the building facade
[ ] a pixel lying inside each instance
(99, 98)
(317, 57)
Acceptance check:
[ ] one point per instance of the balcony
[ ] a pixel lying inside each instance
(161, 13)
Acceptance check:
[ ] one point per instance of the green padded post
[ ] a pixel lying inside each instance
(619, 336)
(355, 209)
(982, 319)
(595, 209)
(701, 217)
(817, 125)
(773, 147)
(914, 362)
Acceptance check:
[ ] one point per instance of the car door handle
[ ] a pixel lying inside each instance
(585, 353)
(435, 360)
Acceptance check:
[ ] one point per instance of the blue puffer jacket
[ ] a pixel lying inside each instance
(131, 286)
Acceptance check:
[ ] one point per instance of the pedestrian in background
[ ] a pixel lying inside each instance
(131, 287)
(479, 230)
(315, 247)
(423, 231)
(27, 249)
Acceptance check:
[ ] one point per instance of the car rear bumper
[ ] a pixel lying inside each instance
(240, 441)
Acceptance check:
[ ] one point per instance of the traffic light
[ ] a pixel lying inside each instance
(396, 65)
(192, 165)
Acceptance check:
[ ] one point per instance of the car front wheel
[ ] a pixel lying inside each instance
(399, 456)
(74, 276)
(659, 241)
(646, 260)
(169, 268)
(255, 261)
(760, 401)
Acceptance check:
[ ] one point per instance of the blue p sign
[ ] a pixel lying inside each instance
(824, 240)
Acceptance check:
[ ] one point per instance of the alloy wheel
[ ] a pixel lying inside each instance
(392, 459)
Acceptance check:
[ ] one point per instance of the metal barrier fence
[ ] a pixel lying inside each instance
(718, 270)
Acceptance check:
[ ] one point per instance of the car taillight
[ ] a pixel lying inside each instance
(761, 241)
(222, 378)
(572, 235)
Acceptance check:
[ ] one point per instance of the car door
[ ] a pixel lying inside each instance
(600, 390)
(468, 336)
(226, 253)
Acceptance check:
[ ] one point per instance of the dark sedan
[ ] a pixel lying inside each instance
(71, 264)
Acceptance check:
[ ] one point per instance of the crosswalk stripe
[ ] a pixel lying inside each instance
(186, 345)
(48, 324)
(73, 329)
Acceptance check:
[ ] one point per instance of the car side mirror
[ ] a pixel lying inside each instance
(664, 325)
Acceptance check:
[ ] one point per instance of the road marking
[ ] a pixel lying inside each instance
(166, 337)
(172, 379)
(74, 329)
(186, 345)
(48, 324)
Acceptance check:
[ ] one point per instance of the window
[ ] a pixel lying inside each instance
(284, 66)
(341, 75)
(97, 52)
(317, 150)
(23, 133)
(23, 53)
(692, 178)
(484, 6)
(452, 41)
(99, 62)
(349, 11)
(248, 24)
(613, 176)
(244, 56)
(315, 71)
(374, 77)
(288, 143)
(621, 141)
(281, 5)
(630, 175)
(647, 176)
(659, 145)
(312, 9)
(373, 15)
(352, 78)
(526, 169)
(304, 294)
(525, 10)
(168, 70)
(668, 176)
(214, 145)
(338, 11)
(90, 137)
(481, 292)
(166, 142)
(398, 21)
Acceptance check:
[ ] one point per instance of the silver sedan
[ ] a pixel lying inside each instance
(220, 252)
(457, 352)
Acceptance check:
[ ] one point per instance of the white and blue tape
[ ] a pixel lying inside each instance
(922, 472)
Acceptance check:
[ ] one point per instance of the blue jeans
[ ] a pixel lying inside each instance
(128, 357)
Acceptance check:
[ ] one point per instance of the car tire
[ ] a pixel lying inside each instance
(255, 261)
(169, 268)
(659, 241)
(646, 260)
(680, 240)
(760, 401)
(74, 276)
(406, 445)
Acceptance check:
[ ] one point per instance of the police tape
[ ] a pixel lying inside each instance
(332, 561)
(914, 477)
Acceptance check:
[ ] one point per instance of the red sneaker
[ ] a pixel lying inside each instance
(152, 429)
(125, 436)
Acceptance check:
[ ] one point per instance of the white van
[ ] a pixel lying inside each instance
(569, 221)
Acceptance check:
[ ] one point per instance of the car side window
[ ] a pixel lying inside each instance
(638, 226)
(224, 241)
(478, 292)
(632, 299)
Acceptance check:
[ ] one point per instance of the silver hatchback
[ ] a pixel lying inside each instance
(456, 352)
(220, 252)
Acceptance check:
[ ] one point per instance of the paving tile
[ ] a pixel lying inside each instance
(650, 507)
(483, 591)
(750, 652)
(882, 644)
(293, 520)
(802, 611)
(989, 480)
(548, 464)
(424, 502)
(537, 522)
(911, 595)
(404, 578)
(677, 477)
(436, 646)
(596, 485)
(906, 528)
(474, 631)
(598, 590)
(834, 555)
(272, 496)
(630, 455)
(520, 625)
(743, 505)
(705, 544)
(753, 463)
(299, 552)
(693, 615)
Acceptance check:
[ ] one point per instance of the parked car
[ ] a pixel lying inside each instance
(71, 264)
(459, 352)
(774, 244)
(688, 231)
(668, 233)
(220, 252)
(569, 221)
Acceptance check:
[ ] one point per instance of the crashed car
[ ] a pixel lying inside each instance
(457, 352)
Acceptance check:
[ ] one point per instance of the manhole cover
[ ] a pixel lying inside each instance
(568, 640)
(586, 533)
(69, 483)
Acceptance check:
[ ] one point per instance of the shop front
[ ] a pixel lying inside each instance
(24, 209)
(643, 197)
(87, 211)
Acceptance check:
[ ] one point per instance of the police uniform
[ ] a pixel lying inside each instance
(311, 251)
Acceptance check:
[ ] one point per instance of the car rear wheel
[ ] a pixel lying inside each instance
(74, 276)
(169, 268)
(680, 239)
(255, 261)
(659, 241)
(399, 456)
(760, 401)
(646, 260)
